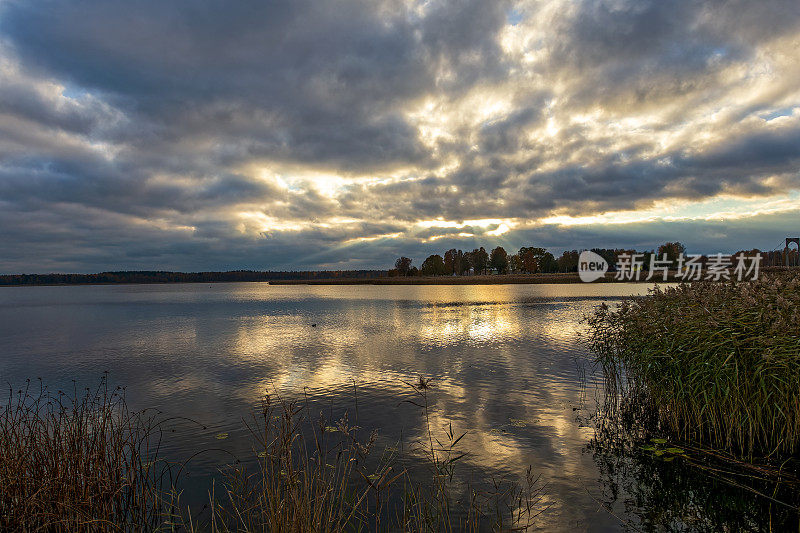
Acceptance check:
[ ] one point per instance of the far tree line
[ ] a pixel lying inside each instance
(528, 260)
(479, 261)
(160, 276)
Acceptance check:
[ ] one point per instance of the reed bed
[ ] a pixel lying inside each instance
(712, 363)
(312, 476)
(78, 462)
(83, 461)
(301, 481)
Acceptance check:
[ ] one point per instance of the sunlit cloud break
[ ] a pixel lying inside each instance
(209, 135)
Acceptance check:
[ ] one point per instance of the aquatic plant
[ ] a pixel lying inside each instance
(79, 461)
(84, 462)
(314, 476)
(662, 487)
(713, 363)
(430, 505)
(302, 479)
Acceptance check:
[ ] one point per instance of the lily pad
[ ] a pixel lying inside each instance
(221, 436)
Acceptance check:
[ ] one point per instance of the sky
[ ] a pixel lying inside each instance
(339, 134)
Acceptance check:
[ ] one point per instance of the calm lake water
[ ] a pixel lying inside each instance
(508, 361)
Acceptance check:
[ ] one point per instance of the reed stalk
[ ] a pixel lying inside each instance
(79, 462)
(712, 363)
(82, 461)
(320, 477)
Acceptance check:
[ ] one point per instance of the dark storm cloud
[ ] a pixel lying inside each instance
(699, 236)
(211, 134)
(16, 99)
(507, 134)
(740, 164)
(299, 80)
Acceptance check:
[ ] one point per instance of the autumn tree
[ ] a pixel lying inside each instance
(527, 260)
(466, 262)
(568, 262)
(547, 262)
(403, 265)
(479, 259)
(672, 250)
(499, 260)
(450, 258)
(609, 254)
(433, 266)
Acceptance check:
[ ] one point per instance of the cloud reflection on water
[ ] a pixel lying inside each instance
(504, 361)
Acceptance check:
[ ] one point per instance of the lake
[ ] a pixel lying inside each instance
(508, 364)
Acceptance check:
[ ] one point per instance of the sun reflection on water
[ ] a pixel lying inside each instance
(504, 362)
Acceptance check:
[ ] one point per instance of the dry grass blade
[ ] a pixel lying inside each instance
(85, 462)
(79, 461)
(318, 477)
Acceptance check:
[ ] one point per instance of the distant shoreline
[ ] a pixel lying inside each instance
(312, 278)
(492, 279)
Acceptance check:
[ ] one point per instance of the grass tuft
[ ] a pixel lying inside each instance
(78, 462)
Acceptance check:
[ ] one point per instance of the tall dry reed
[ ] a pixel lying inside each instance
(78, 462)
(83, 461)
(312, 476)
(714, 363)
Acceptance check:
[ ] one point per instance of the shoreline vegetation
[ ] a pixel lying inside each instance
(156, 278)
(456, 267)
(707, 376)
(713, 364)
(82, 461)
(706, 373)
